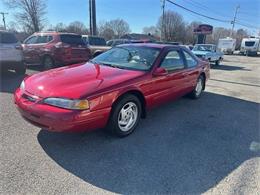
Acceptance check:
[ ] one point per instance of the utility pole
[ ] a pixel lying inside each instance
(234, 20)
(3, 15)
(163, 33)
(92, 17)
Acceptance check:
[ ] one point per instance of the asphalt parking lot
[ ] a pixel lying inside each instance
(185, 147)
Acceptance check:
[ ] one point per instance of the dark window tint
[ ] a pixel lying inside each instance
(7, 38)
(44, 39)
(191, 62)
(173, 61)
(72, 39)
(97, 41)
(31, 40)
(250, 43)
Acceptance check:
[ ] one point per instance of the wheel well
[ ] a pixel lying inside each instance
(46, 55)
(139, 95)
(204, 79)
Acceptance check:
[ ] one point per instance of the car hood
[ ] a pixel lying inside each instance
(200, 52)
(77, 81)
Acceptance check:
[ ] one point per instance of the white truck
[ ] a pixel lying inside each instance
(227, 45)
(250, 46)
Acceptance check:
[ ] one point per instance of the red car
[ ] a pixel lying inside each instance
(52, 49)
(114, 90)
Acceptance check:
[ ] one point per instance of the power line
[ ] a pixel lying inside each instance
(201, 6)
(209, 17)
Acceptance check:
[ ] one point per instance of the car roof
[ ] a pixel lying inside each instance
(92, 36)
(53, 33)
(206, 44)
(154, 45)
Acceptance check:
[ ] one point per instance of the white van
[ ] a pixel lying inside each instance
(250, 46)
(227, 45)
(11, 54)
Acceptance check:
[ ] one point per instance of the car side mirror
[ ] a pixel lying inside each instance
(160, 72)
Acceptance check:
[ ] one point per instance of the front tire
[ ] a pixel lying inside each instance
(197, 91)
(217, 63)
(125, 116)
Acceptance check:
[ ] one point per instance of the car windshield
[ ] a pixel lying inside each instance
(202, 48)
(128, 57)
(250, 43)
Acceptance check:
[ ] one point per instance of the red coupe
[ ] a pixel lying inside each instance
(113, 90)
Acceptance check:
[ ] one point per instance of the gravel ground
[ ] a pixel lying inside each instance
(210, 145)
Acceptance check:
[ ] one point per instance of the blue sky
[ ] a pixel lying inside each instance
(141, 13)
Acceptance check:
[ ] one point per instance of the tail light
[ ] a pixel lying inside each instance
(62, 45)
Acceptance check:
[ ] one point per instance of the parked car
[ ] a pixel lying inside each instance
(51, 49)
(11, 56)
(208, 52)
(113, 90)
(115, 42)
(250, 46)
(97, 45)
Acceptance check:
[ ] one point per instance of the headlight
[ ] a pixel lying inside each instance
(22, 86)
(67, 103)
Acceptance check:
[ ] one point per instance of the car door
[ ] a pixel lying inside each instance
(192, 71)
(29, 51)
(169, 86)
(39, 48)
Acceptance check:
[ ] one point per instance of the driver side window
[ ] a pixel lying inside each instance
(31, 40)
(173, 61)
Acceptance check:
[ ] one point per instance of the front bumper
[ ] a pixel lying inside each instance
(58, 119)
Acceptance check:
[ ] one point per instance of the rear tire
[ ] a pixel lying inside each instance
(48, 63)
(200, 86)
(125, 116)
(20, 69)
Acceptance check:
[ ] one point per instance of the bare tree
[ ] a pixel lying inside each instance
(240, 34)
(29, 13)
(190, 37)
(60, 27)
(153, 30)
(173, 28)
(113, 29)
(218, 33)
(77, 27)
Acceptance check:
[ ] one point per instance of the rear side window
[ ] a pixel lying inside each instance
(44, 39)
(173, 61)
(97, 41)
(31, 40)
(72, 39)
(7, 38)
(191, 62)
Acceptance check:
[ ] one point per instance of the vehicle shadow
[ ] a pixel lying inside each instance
(184, 147)
(10, 81)
(229, 68)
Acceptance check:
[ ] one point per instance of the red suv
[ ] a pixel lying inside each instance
(51, 49)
